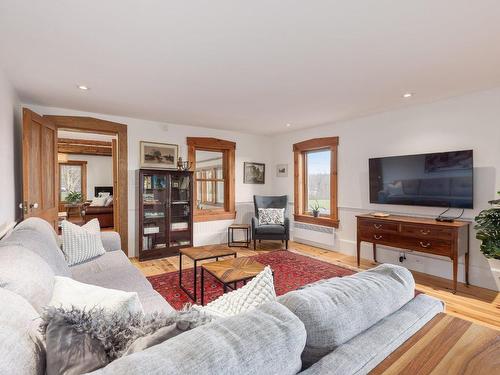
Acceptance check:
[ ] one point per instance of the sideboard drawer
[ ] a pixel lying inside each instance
(431, 246)
(379, 226)
(381, 238)
(421, 231)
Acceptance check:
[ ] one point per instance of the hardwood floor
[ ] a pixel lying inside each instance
(478, 305)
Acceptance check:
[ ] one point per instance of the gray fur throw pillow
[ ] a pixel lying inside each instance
(80, 341)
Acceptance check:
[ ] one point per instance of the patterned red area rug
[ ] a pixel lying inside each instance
(291, 271)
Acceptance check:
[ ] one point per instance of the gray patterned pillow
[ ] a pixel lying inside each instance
(81, 243)
(274, 216)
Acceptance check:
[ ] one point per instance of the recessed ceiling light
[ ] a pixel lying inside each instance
(83, 87)
(288, 125)
(407, 95)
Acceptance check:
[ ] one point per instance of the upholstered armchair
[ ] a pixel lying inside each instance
(270, 231)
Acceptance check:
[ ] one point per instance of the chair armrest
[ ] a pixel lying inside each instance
(255, 224)
(287, 225)
(111, 240)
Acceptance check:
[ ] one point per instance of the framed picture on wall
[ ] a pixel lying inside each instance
(159, 155)
(254, 173)
(282, 170)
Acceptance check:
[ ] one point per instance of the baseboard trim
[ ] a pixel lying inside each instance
(313, 243)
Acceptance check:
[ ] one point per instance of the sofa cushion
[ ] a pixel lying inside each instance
(106, 263)
(270, 229)
(364, 352)
(23, 351)
(41, 226)
(41, 243)
(25, 273)
(267, 340)
(103, 272)
(336, 310)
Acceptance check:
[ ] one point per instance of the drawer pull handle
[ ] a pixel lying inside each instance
(377, 226)
(377, 237)
(425, 231)
(425, 245)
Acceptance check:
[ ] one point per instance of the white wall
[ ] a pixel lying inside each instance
(466, 122)
(10, 192)
(99, 171)
(248, 148)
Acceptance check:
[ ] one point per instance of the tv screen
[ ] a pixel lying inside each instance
(443, 179)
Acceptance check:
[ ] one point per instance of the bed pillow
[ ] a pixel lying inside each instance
(271, 216)
(81, 243)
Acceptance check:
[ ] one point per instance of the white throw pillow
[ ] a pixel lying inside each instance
(258, 291)
(68, 292)
(271, 216)
(109, 201)
(81, 243)
(104, 194)
(98, 201)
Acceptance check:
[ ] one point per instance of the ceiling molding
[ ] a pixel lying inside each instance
(84, 147)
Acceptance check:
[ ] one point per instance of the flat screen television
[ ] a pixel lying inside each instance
(443, 179)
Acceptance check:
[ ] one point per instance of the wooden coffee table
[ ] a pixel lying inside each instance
(230, 272)
(198, 254)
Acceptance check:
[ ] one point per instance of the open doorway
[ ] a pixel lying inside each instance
(42, 156)
(86, 164)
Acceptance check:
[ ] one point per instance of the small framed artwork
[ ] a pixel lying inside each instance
(159, 155)
(282, 170)
(254, 173)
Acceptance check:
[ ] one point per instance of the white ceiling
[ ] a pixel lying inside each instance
(251, 66)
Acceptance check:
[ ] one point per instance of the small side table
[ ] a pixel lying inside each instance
(230, 235)
(197, 254)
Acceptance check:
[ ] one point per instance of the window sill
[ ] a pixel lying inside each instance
(324, 221)
(213, 216)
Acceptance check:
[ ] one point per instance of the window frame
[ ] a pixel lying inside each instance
(227, 148)
(300, 150)
(83, 178)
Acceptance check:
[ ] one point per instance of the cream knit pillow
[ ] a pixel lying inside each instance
(258, 291)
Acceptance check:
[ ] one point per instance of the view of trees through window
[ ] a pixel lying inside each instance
(318, 166)
(71, 179)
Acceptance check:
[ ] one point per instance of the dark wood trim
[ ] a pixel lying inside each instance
(316, 144)
(84, 147)
(301, 210)
(228, 150)
(324, 221)
(83, 165)
(208, 143)
(94, 125)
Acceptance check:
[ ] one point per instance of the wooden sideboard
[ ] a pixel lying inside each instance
(424, 235)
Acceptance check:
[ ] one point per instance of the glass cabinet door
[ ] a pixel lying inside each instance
(155, 202)
(180, 211)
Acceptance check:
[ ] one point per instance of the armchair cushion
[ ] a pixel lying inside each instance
(270, 229)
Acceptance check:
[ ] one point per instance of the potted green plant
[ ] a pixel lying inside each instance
(315, 207)
(488, 230)
(73, 197)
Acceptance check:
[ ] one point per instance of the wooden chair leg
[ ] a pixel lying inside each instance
(255, 244)
(286, 244)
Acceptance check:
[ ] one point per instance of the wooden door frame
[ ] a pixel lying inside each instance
(94, 125)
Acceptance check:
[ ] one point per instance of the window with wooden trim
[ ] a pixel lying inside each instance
(213, 163)
(315, 185)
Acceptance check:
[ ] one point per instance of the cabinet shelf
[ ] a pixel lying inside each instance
(164, 206)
